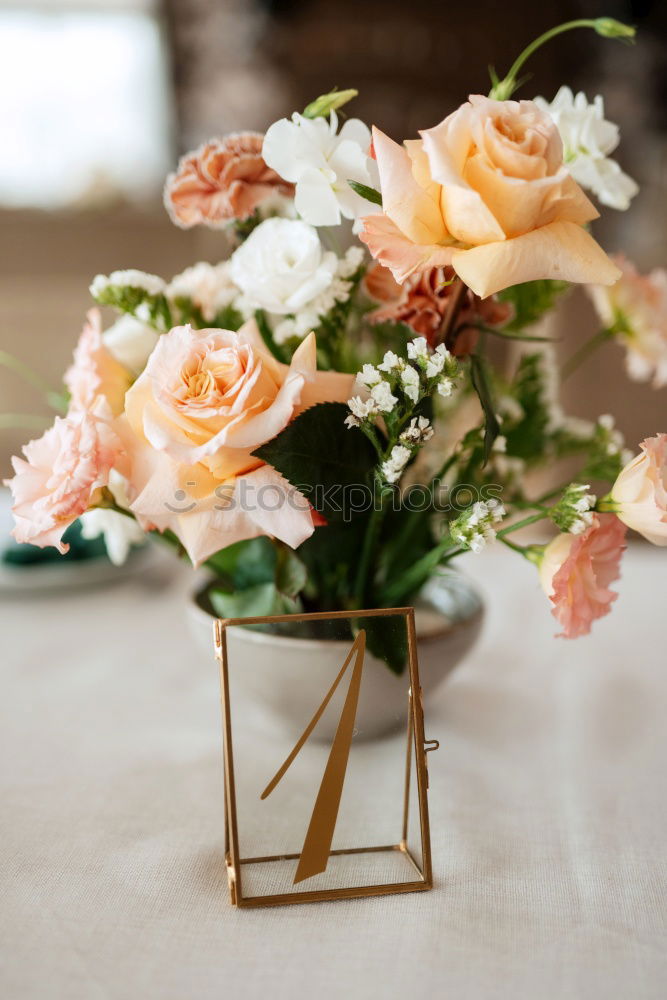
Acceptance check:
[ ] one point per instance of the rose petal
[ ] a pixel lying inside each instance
(561, 250)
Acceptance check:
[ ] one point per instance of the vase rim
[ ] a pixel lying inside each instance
(265, 638)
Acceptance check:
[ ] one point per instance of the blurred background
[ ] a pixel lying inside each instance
(99, 98)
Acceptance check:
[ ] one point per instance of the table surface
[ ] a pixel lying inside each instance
(547, 808)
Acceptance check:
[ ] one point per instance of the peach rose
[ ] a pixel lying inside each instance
(576, 571)
(95, 371)
(640, 492)
(55, 483)
(486, 192)
(636, 309)
(422, 302)
(206, 400)
(222, 180)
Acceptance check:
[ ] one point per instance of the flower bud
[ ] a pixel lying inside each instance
(608, 27)
(326, 103)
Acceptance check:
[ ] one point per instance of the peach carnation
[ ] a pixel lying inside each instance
(224, 179)
(422, 302)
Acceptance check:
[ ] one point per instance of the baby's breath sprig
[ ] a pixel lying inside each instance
(395, 388)
(574, 510)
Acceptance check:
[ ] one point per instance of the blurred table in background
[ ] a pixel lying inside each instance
(547, 806)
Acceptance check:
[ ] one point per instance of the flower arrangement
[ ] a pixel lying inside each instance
(325, 428)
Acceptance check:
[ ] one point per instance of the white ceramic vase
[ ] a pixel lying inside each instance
(284, 676)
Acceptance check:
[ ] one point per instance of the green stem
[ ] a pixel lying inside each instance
(533, 553)
(503, 90)
(29, 421)
(586, 349)
(367, 553)
(533, 519)
(521, 549)
(420, 571)
(27, 374)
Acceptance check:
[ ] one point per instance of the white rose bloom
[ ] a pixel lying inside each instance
(120, 531)
(309, 153)
(588, 138)
(131, 342)
(282, 267)
(209, 286)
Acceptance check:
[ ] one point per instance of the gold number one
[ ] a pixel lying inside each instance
(317, 845)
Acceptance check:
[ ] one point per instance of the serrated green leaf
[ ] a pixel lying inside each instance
(322, 457)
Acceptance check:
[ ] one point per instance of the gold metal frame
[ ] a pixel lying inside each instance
(416, 743)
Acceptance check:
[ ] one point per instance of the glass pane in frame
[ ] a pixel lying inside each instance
(316, 810)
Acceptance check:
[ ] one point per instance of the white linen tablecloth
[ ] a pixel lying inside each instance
(547, 801)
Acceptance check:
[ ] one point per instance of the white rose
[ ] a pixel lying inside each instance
(588, 138)
(131, 342)
(282, 267)
(308, 153)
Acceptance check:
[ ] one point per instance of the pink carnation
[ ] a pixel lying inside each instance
(54, 484)
(222, 180)
(95, 371)
(576, 571)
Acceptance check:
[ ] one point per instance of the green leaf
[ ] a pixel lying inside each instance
(255, 602)
(528, 439)
(246, 563)
(480, 381)
(364, 191)
(322, 458)
(531, 301)
(386, 639)
(228, 318)
(291, 574)
(331, 555)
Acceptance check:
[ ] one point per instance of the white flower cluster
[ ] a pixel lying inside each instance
(574, 510)
(418, 432)
(149, 283)
(440, 364)
(588, 138)
(420, 376)
(393, 468)
(473, 529)
(208, 286)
